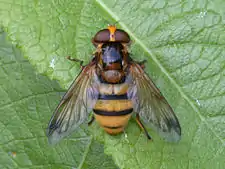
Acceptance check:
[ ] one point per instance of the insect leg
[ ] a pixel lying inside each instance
(91, 121)
(142, 63)
(75, 60)
(142, 126)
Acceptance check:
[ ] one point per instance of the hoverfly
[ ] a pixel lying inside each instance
(114, 87)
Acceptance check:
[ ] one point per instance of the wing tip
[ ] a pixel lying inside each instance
(174, 135)
(53, 138)
(171, 134)
(53, 135)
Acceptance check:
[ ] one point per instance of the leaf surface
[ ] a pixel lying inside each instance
(27, 101)
(183, 42)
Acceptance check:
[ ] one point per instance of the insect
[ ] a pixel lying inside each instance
(114, 87)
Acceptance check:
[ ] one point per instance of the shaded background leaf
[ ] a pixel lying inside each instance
(183, 42)
(27, 100)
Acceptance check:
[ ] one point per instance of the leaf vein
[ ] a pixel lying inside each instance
(142, 45)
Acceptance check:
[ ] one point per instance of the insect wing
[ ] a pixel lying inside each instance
(75, 105)
(151, 105)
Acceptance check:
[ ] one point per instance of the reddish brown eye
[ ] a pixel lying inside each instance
(122, 36)
(102, 36)
(111, 35)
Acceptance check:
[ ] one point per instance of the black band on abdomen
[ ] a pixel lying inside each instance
(113, 127)
(112, 97)
(113, 113)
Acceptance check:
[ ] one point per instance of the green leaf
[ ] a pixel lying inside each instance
(27, 100)
(183, 42)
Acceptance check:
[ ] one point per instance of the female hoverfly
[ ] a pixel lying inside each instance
(114, 87)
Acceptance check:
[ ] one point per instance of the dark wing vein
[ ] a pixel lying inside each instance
(75, 105)
(150, 104)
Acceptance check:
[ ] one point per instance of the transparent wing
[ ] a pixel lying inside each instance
(75, 105)
(151, 105)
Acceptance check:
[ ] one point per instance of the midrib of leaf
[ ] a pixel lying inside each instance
(147, 50)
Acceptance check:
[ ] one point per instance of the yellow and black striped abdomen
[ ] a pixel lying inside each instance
(113, 110)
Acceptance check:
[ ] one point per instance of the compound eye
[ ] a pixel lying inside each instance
(122, 36)
(110, 35)
(102, 36)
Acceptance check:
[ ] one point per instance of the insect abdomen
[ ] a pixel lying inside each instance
(113, 109)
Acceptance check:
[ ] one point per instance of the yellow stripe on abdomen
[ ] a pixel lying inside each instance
(117, 89)
(113, 124)
(113, 105)
(113, 109)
